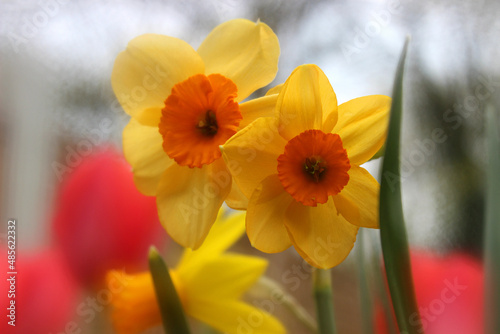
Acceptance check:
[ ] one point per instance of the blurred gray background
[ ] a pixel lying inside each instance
(56, 59)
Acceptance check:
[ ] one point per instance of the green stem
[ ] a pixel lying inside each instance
(324, 301)
(492, 223)
(392, 226)
(364, 290)
(172, 314)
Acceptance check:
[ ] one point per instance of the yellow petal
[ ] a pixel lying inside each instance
(188, 200)
(235, 317)
(358, 202)
(224, 233)
(251, 154)
(243, 51)
(227, 276)
(266, 216)
(144, 74)
(149, 117)
(306, 101)
(134, 306)
(142, 146)
(322, 237)
(264, 106)
(362, 125)
(236, 199)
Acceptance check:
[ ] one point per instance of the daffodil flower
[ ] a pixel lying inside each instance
(301, 169)
(184, 104)
(209, 282)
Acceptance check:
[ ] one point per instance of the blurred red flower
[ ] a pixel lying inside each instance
(101, 220)
(44, 292)
(450, 294)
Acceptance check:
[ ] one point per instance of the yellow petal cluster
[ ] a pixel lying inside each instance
(210, 283)
(245, 54)
(323, 232)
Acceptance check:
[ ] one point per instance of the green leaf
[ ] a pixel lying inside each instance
(492, 223)
(172, 314)
(392, 226)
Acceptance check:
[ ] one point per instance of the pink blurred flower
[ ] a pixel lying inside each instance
(46, 293)
(450, 294)
(102, 222)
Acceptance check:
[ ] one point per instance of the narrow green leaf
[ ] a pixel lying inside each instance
(392, 226)
(492, 223)
(172, 314)
(380, 284)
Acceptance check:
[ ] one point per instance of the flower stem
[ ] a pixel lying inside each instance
(322, 282)
(364, 289)
(492, 223)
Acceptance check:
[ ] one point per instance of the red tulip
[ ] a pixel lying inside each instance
(450, 294)
(45, 294)
(102, 222)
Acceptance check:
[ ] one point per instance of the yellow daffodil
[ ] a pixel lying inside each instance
(301, 169)
(209, 282)
(184, 104)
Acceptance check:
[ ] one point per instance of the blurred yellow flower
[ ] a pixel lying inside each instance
(184, 104)
(301, 171)
(209, 282)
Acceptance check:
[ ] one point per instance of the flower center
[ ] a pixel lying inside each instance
(208, 126)
(199, 115)
(314, 166)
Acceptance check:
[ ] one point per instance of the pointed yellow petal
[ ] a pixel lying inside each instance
(224, 233)
(362, 125)
(306, 101)
(236, 199)
(358, 202)
(243, 51)
(251, 154)
(264, 106)
(144, 74)
(227, 276)
(266, 216)
(188, 200)
(322, 237)
(235, 317)
(142, 146)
